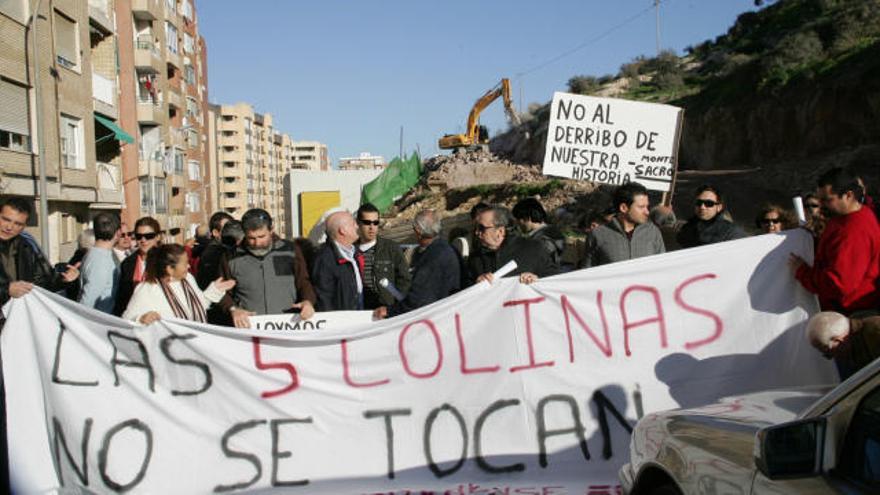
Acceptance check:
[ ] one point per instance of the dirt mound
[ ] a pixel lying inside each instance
(453, 184)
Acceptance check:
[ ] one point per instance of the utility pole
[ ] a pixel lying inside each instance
(41, 137)
(657, 12)
(401, 143)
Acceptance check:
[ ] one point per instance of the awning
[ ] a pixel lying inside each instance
(117, 131)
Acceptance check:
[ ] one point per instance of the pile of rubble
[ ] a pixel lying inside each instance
(453, 184)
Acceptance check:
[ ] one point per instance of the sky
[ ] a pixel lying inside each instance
(352, 73)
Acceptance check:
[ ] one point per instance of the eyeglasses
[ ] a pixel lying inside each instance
(147, 235)
(480, 228)
(812, 205)
(126, 234)
(369, 222)
(708, 203)
(768, 221)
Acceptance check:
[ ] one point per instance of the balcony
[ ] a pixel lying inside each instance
(174, 98)
(104, 95)
(149, 112)
(109, 183)
(146, 57)
(150, 168)
(148, 10)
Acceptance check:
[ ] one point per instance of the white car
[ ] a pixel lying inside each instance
(798, 441)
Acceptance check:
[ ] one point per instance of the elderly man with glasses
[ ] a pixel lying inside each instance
(498, 246)
(382, 259)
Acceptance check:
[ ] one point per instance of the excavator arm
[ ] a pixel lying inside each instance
(472, 136)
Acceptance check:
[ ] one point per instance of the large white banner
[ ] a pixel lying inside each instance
(509, 388)
(612, 141)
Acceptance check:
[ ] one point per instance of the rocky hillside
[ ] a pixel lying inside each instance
(788, 92)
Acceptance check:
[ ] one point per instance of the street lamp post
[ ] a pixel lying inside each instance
(41, 157)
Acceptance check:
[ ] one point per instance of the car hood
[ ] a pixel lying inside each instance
(758, 409)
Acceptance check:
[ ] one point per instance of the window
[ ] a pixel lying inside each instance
(188, 43)
(146, 195)
(192, 107)
(189, 74)
(171, 37)
(66, 41)
(72, 144)
(178, 161)
(14, 131)
(192, 138)
(187, 9)
(170, 7)
(195, 171)
(161, 195)
(192, 202)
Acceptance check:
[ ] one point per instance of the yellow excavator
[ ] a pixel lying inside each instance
(477, 136)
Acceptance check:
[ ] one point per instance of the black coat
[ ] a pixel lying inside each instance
(31, 266)
(126, 285)
(697, 232)
(530, 256)
(435, 275)
(389, 263)
(334, 280)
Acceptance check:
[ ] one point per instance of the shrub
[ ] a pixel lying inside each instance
(582, 85)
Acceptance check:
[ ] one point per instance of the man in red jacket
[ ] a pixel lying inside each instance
(844, 274)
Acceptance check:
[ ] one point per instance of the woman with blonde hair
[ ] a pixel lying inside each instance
(170, 290)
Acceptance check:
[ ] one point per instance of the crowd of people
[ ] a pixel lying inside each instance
(236, 269)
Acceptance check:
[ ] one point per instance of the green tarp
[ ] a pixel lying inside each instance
(398, 178)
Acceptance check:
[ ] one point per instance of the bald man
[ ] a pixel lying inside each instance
(338, 272)
(852, 342)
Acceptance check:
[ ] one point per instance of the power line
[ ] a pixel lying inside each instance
(590, 41)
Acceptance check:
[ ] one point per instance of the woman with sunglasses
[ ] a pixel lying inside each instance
(170, 290)
(773, 219)
(708, 224)
(147, 235)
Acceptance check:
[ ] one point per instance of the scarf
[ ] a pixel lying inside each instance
(195, 306)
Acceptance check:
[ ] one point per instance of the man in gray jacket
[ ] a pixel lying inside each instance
(270, 273)
(629, 234)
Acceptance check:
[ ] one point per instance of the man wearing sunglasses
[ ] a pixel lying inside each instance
(847, 262)
(382, 259)
(497, 247)
(708, 224)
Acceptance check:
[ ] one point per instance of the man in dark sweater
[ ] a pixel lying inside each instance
(436, 268)
(382, 259)
(497, 247)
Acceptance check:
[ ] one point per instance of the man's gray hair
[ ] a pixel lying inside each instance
(428, 223)
(502, 216)
(86, 239)
(663, 216)
(826, 325)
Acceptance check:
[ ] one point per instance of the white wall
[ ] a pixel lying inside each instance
(347, 182)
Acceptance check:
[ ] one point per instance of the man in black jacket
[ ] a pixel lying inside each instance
(213, 254)
(436, 268)
(337, 274)
(383, 259)
(22, 264)
(497, 248)
(708, 224)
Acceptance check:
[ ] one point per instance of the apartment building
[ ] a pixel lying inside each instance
(252, 159)
(364, 161)
(167, 177)
(310, 155)
(60, 103)
(117, 93)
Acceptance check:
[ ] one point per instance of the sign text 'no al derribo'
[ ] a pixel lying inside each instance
(612, 141)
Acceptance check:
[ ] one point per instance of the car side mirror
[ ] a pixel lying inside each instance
(791, 450)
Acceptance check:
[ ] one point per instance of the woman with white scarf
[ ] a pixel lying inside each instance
(169, 290)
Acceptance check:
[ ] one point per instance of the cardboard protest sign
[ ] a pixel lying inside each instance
(507, 388)
(612, 141)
